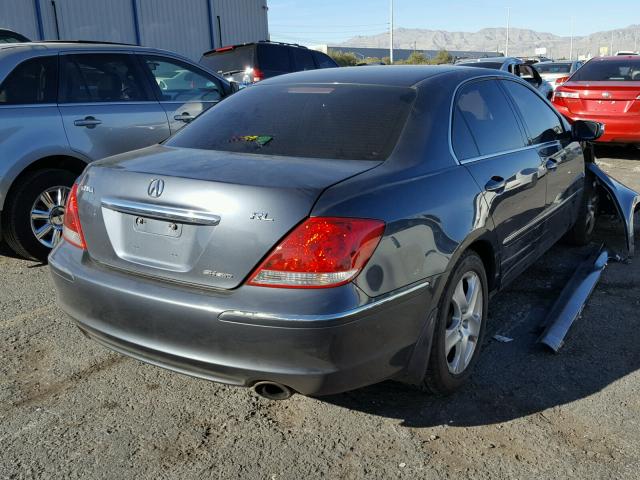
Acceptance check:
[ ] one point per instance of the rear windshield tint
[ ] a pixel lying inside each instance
(553, 67)
(236, 60)
(493, 65)
(345, 122)
(625, 69)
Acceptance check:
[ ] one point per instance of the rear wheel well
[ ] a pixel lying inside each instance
(485, 251)
(62, 162)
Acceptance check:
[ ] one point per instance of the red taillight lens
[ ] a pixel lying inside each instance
(72, 230)
(257, 74)
(561, 80)
(321, 252)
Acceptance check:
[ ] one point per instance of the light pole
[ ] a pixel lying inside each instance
(506, 48)
(571, 47)
(391, 32)
(611, 49)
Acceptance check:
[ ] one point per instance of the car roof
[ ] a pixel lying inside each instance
(615, 57)
(383, 75)
(79, 45)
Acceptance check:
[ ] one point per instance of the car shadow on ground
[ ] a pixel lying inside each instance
(521, 378)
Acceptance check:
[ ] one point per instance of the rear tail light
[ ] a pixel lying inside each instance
(321, 252)
(561, 80)
(257, 74)
(72, 230)
(561, 94)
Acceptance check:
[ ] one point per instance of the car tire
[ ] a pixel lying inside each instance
(444, 375)
(582, 231)
(22, 208)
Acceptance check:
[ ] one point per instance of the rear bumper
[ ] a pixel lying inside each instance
(221, 337)
(618, 129)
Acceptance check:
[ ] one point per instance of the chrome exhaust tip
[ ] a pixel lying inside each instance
(272, 390)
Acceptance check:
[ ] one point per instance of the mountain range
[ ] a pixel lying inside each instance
(522, 42)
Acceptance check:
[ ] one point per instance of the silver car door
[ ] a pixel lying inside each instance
(106, 105)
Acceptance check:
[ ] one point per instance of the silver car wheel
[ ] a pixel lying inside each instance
(47, 215)
(463, 326)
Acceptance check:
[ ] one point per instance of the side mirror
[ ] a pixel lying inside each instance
(586, 131)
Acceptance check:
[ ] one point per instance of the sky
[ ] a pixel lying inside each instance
(332, 21)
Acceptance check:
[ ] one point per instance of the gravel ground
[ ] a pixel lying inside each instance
(71, 409)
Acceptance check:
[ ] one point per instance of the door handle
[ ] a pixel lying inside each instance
(89, 122)
(185, 117)
(496, 184)
(551, 165)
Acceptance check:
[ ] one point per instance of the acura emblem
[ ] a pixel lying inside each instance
(156, 187)
(606, 94)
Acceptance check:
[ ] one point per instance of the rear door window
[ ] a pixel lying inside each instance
(274, 57)
(180, 82)
(541, 121)
(102, 77)
(486, 111)
(346, 122)
(33, 81)
(303, 59)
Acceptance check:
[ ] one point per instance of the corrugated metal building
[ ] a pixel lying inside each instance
(189, 27)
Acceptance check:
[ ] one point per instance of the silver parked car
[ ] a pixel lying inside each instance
(556, 73)
(516, 66)
(65, 104)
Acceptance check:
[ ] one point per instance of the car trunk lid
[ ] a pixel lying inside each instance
(607, 98)
(198, 217)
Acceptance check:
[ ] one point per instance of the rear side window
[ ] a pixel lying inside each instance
(101, 78)
(346, 122)
(303, 59)
(492, 65)
(464, 145)
(623, 70)
(33, 81)
(180, 82)
(489, 117)
(324, 61)
(542, 123)
(274, 57)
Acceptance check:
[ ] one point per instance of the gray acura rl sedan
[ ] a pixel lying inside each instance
(325, 230)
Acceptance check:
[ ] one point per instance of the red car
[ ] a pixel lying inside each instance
(605, 90)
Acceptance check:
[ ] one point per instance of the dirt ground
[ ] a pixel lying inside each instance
(71, 409)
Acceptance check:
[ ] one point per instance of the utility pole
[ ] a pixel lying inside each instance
(611, 49)
(635, 41)
(391, 32)
(506, 48)
(571, 48)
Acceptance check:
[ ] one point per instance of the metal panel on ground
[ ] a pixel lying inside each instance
(181, 27)
(240, 21)
(19, 16)
(110, 21)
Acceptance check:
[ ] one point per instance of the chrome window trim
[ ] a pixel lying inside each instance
(27, 105)
(497, 154)
(93, 104)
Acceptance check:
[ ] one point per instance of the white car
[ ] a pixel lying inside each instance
(556, 73)
(515, 66)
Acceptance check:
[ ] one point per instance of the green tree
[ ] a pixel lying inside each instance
(344, 59)
(442, 57)
(416, 58)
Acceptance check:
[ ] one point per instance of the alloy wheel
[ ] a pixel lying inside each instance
(47, 215)
(464, 322)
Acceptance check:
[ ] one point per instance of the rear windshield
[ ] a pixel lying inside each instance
(493, 65)
(625, 69)
(553, 67)
(345, 122)
(6, 37)
(237, 59)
